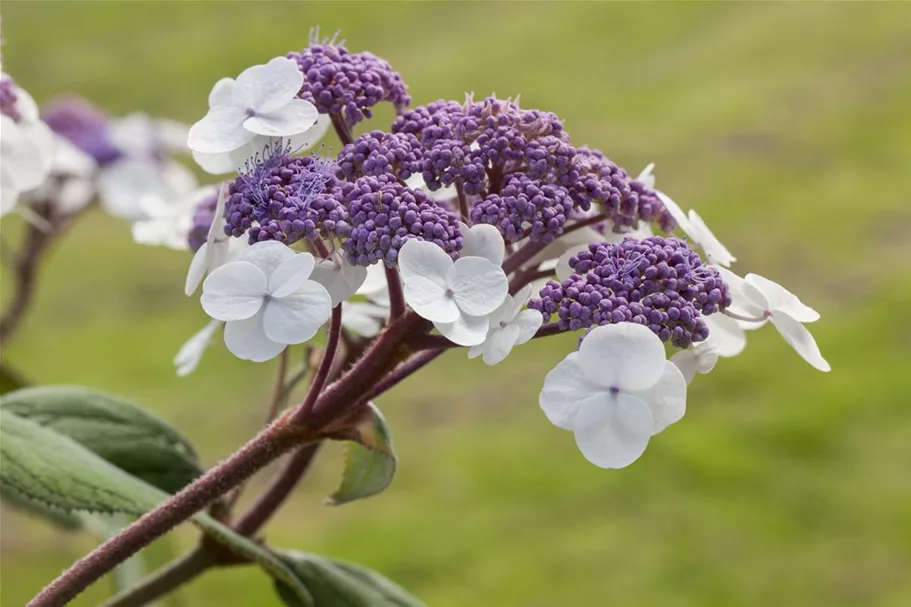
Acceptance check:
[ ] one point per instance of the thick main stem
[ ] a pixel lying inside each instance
(26, 271)
(264, 448)
(165, 580)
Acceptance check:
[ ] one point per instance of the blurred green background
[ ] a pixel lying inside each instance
(787, 126)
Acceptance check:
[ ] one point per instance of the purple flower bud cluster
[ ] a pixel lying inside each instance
(286, 199)
(623, 200)
(378, 153)
(525, 201)
(8, 99)
(347, 84)
(383, 215)
(657, 282)
(203, 216)
(85, 126)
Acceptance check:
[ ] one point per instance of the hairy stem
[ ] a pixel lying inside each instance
(325, 365)
(264, 448)
(405, 369)
(25, 265)
(396, 297)
(524, 277)
(515, 261)
(463, 204)
(173, 575)
(341, 129)
(438, 342)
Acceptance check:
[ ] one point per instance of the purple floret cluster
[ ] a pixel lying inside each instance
(657, 282)
(9, 98)
(384, 214)
(378, 153)
(203, 216)
(83, 125)
(347, 84)
(524, 201)
(286, 199)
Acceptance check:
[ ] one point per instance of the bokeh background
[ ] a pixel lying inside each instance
(787, 126)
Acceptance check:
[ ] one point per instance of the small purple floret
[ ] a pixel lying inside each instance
(378, 153)
(203, 216)
(85, 126)
(524, 203)
(9, 98)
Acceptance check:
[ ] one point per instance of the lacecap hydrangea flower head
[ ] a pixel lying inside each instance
(476, 223)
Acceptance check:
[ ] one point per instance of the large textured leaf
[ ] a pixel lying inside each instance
(369, 462)
(65, 520)
(39, 464)
(335, 583)
(115, 429)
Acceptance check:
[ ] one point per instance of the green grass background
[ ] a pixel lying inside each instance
(786, 125)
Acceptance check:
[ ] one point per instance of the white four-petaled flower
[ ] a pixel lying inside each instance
(168, 222)
(508, 326)
(261, 101)
(267, 300)
(615, 393)
(456, 296)
(26, 151)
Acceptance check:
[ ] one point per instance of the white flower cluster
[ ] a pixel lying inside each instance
(26, 150)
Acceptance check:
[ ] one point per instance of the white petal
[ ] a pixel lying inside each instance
(71, 161)
(612, 431)
(189, 355)
(685, 360)
(246, 340)
(339, 277)
(429, 299)
(676, 212)
(483, 240)
(291, 274)
(122, 185)
(799, 338)
(266, 88)
(305, 140)
(9, 195)
(666, 399)
(782, 299)
(295, 117)
(466, 330)
(714, 250)
(221, 92)
(500, 343)
(746, 299)
(478, 286)
(362, 318)
(31, 162)
(565, 387)
(726, 335)
(221, 130)
(706, 356)
(375, 280)
(234, 291)
(26, 105)
(215, 164)
(626, 356)
(420, 258)
(295, 318)
(267, 255)
(196, 270)
(646, 177)
(172, 135)
(528, 323)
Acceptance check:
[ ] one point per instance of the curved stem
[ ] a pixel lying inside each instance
(396, 297)
(744, 318)
(582, 223)
(264, 448)
(37, 242)
(514, 261)
(341, 129)
(524, 277)
(408, 367)
(165, 580)
(438, 342)
(463, 204)
(319, 380)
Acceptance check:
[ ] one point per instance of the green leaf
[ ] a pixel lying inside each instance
(115, 429)
(62, 519)
(10, 379)
(369, 462)
(335, 583)
(39, 464)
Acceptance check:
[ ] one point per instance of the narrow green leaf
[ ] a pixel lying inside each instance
(369, 462)
(117, 430)
(335, 583)
(39, 464)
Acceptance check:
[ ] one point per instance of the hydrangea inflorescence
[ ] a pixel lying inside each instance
(83, 125)
(459, 211)
(657, 282)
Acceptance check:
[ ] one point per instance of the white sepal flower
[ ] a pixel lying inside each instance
(340, 278)
(762, 298)
(364, 319)
(139, 135)
(696, 230)
(26, 156)
(646, 177)
(726, 334)
(267, 300)
(615, 393)
(375, 286)
(168, 222)
(416, 182)
(236, 160)
(262, 101)
(508, 326)
(123, 184)
(698, 358)
(217, 250)
(457, 297)
(187, 358)
(71, 183)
